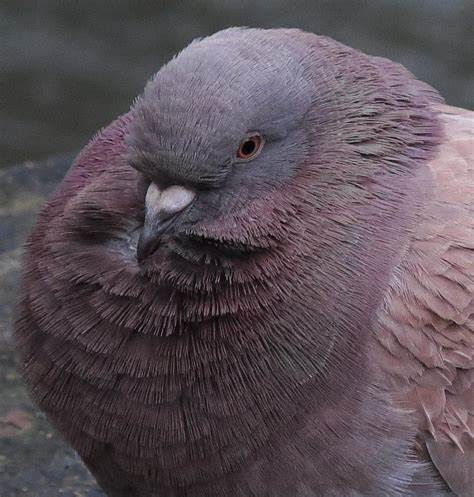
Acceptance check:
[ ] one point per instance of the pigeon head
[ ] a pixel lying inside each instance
(222, 124)
(222, 135)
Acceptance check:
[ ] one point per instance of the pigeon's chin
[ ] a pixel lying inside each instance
(193, 246)
(125, 243)
(126, 246)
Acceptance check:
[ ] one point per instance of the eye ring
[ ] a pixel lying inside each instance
(250, 147)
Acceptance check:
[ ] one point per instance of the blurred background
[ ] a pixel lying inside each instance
(69, 67)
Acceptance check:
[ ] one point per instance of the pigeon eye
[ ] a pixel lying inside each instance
(250, 147)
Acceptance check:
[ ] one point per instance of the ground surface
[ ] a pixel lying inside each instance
(34, 462)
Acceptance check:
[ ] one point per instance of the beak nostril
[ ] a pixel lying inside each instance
(162, 208)
(174, 199)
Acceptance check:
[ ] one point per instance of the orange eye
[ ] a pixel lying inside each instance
(250, 147)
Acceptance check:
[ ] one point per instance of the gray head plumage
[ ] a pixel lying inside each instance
(198, 107)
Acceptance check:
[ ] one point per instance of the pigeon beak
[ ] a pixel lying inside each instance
(162, 207)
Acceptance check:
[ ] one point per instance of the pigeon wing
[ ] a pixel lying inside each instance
(425, 336)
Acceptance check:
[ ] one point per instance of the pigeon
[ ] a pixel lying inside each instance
(259, 281)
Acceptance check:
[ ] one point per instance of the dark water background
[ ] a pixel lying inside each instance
(69, 67)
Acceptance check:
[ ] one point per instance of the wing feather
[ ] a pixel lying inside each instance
(425, 337)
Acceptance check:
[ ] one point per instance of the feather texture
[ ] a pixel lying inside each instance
(427, 323)
(275, 342)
